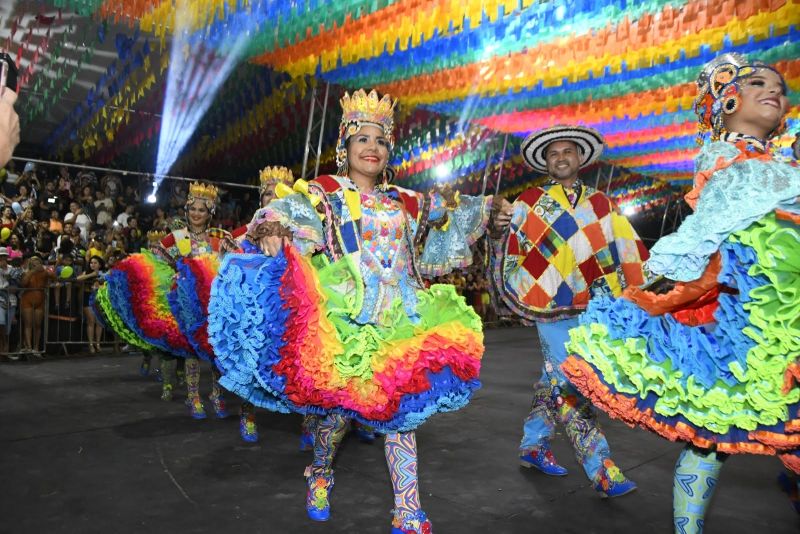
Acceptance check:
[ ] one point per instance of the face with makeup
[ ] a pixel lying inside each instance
(762, 105)
(267, 196)
(199, 216)
(367, 154)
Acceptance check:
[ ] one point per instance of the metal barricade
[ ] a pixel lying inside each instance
(62, 311)
(69, 316)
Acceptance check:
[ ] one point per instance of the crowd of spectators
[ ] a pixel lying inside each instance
(62, 229)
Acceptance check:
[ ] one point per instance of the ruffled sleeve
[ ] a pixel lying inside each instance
(447, 245)
(735, 196)
(294, 216)
(167, 248)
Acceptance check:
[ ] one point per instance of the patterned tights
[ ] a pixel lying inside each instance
(696, 475)
(400, 450)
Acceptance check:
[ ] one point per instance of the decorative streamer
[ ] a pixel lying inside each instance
(464, 71)
(108, 82)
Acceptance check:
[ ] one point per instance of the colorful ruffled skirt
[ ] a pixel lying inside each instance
(283, 334)
(102, 303)
(730, 385)
(189, 298)
(138, 289)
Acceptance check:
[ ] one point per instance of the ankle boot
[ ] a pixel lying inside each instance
(247, 427)
(318, 503)
(543, 460)
(411, 523)
(610, 482)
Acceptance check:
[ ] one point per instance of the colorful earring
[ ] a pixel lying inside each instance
(385, 180)
(730, 104)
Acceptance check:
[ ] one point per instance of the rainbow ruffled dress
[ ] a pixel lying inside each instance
(716, 360)
(150, 307)
(352, 329)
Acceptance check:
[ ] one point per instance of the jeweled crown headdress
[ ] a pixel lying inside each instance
(718, 89)
(272, 176)
(154, 236)
(199, 191)
(359, 109)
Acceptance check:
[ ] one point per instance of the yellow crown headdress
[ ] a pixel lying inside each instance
(272, 176)
(206, 192)
(154, 236)
(359, 109)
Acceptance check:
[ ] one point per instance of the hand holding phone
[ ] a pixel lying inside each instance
(9, 120)
(8, 73)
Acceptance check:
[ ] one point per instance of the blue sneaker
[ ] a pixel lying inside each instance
(196, 409)
(247, 428)
(610, 482)
(543, 460)
(411, 523)
(318, 503)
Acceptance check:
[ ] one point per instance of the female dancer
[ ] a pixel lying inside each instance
(196, 240)
(140, 285)
(269, 178)
(350, 332)
(91, 282)
(713, 358)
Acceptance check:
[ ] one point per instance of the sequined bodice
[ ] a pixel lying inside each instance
(384, 252)
(385, 255)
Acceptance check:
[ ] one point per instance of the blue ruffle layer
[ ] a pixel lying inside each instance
(238, 328)
(187, 308)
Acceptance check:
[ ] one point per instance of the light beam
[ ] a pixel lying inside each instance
(194, 77)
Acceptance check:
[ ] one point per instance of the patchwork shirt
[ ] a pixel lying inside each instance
(553, 258)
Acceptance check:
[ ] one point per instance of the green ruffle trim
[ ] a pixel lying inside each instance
(774, 311)
(439, 307)
(116, 323)
(774, 316)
